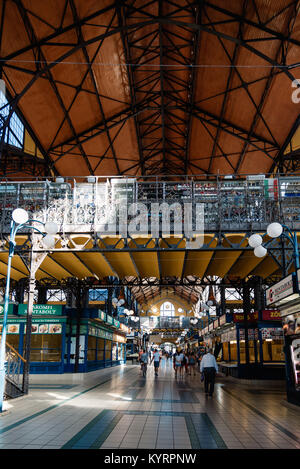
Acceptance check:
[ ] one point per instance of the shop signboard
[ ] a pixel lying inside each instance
(216, 323)
(239, 317)
(286, 311)
(281, 290)
(45, 328)
(116, 323)
(271, 315)
(123, 327)
(10, 309)
(101, 315)
(211, 326)
(41, 310)
(119, 338)
(109, 319)
(222, 319)
(11, 328)
(39, 326)
(205, 330)
(101, 333)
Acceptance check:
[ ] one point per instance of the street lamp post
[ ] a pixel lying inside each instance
(19, 220)
(275, 230)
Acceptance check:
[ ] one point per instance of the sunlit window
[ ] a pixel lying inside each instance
(14, 133)
(167, 309)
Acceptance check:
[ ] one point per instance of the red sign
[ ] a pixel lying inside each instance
(271, 315)
(267, 315)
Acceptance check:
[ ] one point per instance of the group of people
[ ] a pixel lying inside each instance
(185, 362)
(144, 358)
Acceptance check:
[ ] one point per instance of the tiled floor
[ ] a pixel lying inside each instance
(118, 408)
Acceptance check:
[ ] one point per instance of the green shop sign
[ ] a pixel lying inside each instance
(41, 310)
(101, 315)
(116, 323)
(109, 319)
(96, 332)
(10, 309)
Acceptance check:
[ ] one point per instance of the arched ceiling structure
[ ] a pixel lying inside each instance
(156, 87)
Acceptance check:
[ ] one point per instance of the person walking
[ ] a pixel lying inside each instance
(139, 359)
(192, 363)
(209, 367)
(144, 362)
(185, 362)
(156, 359)
(178, 358)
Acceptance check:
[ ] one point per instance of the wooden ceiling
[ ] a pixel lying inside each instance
(153, 87)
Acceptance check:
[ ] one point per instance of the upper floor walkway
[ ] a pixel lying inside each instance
(106, 205)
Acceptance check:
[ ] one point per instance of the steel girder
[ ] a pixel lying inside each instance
(158, 87)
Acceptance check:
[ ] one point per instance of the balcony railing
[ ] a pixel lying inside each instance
(91, 204)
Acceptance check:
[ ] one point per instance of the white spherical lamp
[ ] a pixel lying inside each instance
(51, 227)
(260, 251)
(20, 216)
(255, 240)
(49, 241)
(274, 230)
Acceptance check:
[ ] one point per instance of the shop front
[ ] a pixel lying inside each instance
(48, 336)
(257, 354)
(285, 295)
(101, 339)
(102, 343)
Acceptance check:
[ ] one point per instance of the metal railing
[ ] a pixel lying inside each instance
(13, 368)
(172, 322)
(89, 204)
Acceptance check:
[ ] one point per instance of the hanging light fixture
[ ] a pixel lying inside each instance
(260, 251)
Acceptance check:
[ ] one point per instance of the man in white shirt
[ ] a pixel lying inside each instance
(209, 367)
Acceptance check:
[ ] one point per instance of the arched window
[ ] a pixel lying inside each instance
(167, 309)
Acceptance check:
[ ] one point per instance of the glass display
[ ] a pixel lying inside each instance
(45, 348)
(233, 351)
(114, 352)
(100, 349)
(225, 352)
(243, 351)
(91, 351)
(108, 347)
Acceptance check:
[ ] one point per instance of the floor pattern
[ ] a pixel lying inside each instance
(118, 408)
